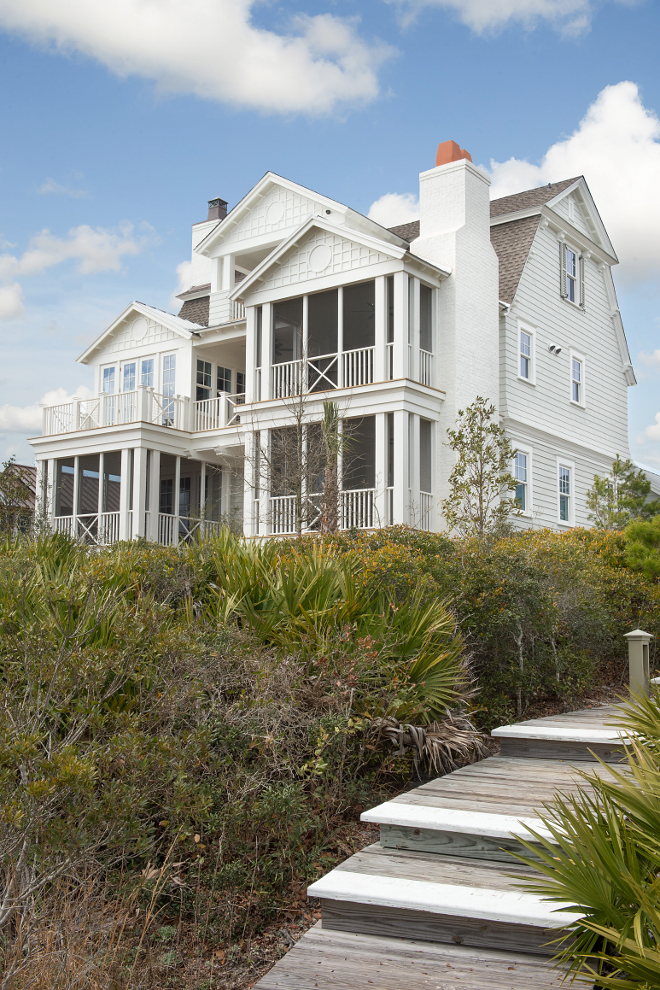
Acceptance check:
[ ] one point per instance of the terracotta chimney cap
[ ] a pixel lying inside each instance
(217, 209)
(449, 151)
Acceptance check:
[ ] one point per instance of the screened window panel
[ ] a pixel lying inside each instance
(322, 318)
(390, 309)
(425, 318)
(287, 330)
(360, 456)
(88, 485)
(111, 480)
(359, 316)
(425, 456)
(259, 335)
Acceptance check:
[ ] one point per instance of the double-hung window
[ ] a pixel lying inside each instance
(572, 275)
(565, 478)
(578, 394)
(203, 380)
(525, 355)
(224, 379)
(520, 473)
(169, 385)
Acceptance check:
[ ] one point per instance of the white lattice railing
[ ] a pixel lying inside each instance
(218, 413)
(425, 506)
(425, 366)
(357, 509)
(58, 419)
(358, 367)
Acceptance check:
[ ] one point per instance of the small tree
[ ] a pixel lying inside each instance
(16, 497)
(621, 497)
(480, 481)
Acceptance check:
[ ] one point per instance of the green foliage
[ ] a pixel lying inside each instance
(480, 480)
(605, 861)
(643, 546)
(621, 497)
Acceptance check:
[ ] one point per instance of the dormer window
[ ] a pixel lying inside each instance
(572, 275)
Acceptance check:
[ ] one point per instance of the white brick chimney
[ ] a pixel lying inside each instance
(455, 234)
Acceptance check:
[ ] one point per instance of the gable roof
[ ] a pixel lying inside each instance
(529, 198)
(512, 243)
(184, 328)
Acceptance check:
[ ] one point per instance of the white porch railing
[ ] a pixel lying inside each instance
(64, 524)
(167, 529)
(358, 367)
(175, 529)
(283, 514)
(425, 366)
(389, 506)
(98, 529)
(357, 509)
(425, 506)
(237, 311)
(286, 379)
(140, 405)
(218, 413)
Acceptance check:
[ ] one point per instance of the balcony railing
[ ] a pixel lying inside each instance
(425, 366)
(356, 511)
(141, 405)
(425, 506)
(95, 528)
(178, 529)
(218, 413)
(320, 373)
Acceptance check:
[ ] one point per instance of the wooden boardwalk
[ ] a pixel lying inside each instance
(435, 904)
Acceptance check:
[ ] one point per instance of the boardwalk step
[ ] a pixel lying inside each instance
(438, 899)
(325, 959)
(453, 832)
(559, 740)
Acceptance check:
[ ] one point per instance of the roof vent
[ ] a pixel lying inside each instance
(449, 151)
(217, 209)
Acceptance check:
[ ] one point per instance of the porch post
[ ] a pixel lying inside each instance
(380, 321)
(266, 351)
(638, 661)
(139, 491)
(380, 495)
(101, 499)
(250, 353)
(154, 497)
(176, 496)
(123, 494)
(76, 490)
(401, 495)
(400, 344)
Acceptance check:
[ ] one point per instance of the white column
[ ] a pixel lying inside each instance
(414, 472)
(401, 495)
(154, 496)
(228, 268)
(123, 493)
(400, 325)
(380, 320)
(51, 490)
(100, 505)
(76, 490)
(139, 491)
(267, 351)
(250, 353)
(380, 495)
(216, 274)
(176, 495)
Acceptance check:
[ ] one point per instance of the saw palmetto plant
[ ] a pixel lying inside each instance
(605, 861)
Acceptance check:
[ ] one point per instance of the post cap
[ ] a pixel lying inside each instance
(638, 634)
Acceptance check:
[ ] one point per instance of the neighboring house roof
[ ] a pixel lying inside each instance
(530, 198)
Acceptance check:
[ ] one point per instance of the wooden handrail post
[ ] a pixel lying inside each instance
(638, 661)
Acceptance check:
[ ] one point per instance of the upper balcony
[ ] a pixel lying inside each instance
(143, 405)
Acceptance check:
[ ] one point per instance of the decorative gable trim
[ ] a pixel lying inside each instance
(140, 324)
(316, 249)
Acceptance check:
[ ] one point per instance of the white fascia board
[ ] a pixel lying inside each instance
(453, 820)
(557, 733)
(321, 222)
(559, 224)
(141, 434)
(423, 264)
(508, 906)
(615, 313)
(581, 187)
(184, 328)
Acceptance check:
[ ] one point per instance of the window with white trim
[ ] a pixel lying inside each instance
(520, 473)
(128, 377)
(147, 372)
(565, 493)
(572, 275)
(525, 368)
(169, 374)
(109, 380)
(203, 381)
(577, 383)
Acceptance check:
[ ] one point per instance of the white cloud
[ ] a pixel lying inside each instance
(28, 419)
(50, 186)
(94, 249)
(212, 49)
(653, 432)
(617, 148)
(571, 17)
(649, 360)
(393, 209)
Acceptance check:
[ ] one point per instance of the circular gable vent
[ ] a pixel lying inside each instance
(275, 213)
(319, 258)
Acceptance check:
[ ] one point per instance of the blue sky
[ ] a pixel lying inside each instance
(125, 118)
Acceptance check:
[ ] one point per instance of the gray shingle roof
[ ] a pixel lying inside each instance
(196, 310)
(408, 231)
(529, 198)
(512, 242)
